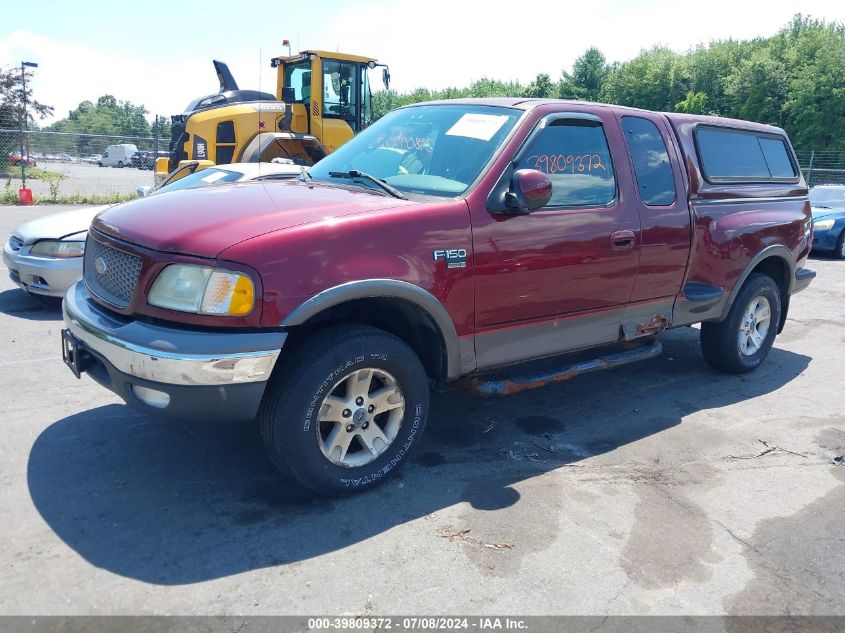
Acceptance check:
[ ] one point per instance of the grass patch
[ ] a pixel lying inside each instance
(9, 195)
(89, 198)
(35, 173)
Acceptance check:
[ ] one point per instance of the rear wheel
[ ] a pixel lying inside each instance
(742, 341)
(120, 164)
(345, 409)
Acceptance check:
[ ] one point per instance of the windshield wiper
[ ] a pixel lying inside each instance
(354, 173)
(820, 206)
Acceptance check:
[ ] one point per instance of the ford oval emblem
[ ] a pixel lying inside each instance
(100, 266)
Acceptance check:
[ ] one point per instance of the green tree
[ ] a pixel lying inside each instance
(814, 109)
(542, 87)
(709, 67)
(656, 79)
(11, 106)
(756, 89)
(695, 103)
(589, 73)
(795, 79)
(109, 117)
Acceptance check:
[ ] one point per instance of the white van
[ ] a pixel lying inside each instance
(118, 155)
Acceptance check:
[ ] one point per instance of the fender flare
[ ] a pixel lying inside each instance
(388, 289)
(776, 250)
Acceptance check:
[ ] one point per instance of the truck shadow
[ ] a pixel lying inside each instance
(21, 305)
(172, 505)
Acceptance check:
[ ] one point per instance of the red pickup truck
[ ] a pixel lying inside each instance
(446, 241)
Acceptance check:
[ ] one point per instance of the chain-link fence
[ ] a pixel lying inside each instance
(823, 167)
(76, 168)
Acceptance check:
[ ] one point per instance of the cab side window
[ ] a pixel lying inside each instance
(655, 182)
(575, 155)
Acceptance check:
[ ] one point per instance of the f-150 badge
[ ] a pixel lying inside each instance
(455, 257)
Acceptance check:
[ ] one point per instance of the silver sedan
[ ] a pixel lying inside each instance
(44, 256)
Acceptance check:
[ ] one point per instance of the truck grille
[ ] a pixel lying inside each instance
(109, 273)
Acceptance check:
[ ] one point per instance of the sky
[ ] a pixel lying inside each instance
(158, 54)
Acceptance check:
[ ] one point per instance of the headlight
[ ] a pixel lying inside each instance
(58, 248)
(823, 225)
(203, 290)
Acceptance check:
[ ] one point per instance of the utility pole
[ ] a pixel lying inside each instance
(23, 122)
(810, 169)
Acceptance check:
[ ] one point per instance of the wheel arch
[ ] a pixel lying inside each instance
(396, 306)
(775, 261)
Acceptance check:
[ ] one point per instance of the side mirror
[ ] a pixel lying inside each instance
(385, 77)
(143, 192)
(530, 190)
(288, 96)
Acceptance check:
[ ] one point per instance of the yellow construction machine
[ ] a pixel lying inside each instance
(322, 100)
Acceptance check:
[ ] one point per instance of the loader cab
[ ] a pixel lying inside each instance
(332, 95)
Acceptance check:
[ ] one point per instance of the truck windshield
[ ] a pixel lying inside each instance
(436, 150)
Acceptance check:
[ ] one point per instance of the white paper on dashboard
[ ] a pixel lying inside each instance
(214, 177)
(480, 126)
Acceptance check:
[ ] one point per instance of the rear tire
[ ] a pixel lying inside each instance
(344, 409)
(741, 342)
(120, 164)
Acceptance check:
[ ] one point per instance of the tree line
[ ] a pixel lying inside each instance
(794, 80)
(112, 118)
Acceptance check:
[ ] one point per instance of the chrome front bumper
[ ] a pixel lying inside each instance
(169, 355)
(214, 375)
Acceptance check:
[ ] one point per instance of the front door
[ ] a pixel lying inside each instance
(559, 278)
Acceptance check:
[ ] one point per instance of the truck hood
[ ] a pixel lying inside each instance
(58, 225)
(207, 220)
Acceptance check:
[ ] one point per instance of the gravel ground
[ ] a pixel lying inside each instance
(661, 488)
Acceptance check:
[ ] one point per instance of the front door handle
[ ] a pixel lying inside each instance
(622, 240)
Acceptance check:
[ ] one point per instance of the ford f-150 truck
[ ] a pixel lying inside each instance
(447, 241)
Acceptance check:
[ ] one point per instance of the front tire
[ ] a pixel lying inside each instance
(839, 253)
(345, 409)
(741, 342)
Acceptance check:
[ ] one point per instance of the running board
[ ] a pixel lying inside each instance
(515, 384)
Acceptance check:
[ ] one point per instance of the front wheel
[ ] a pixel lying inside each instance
(839, 253)
(742, 341)
(120, 164)
(345, 409)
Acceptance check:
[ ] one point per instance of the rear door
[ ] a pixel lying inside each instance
(662, 206)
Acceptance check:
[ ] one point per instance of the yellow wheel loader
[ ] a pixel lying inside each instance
(322, 100)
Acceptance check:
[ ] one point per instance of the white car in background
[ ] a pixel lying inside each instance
(44, 256)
